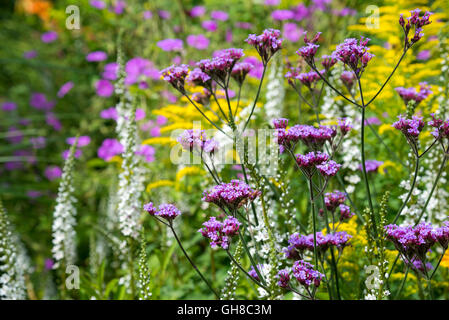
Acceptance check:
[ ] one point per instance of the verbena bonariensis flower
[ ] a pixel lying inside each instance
(371, 165)
(199, 78)
(308, 53)
(345, 212)
(166, 210)
(344, 125)
(202, 97)
(329, 169)
(253, 272)
(312, 137)
(411, 128)
(309, 78)
(441, 127)
(176, 75)
(280, 123)
(310, 161)
(306, 275)
(192, 139)
(240, 71)
(417, 22)
(266, 44)
(333, 199)
(408, 94)
(419, 266)
(328, 61)
(283, 277)
(298, 244)
(354, 54)
(231, 195)
(412, 241)
(220, 233)
(219, 67)
(347, 77)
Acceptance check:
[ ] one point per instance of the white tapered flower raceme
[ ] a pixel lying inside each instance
(12, 280)
(64, 235)
(275, 89)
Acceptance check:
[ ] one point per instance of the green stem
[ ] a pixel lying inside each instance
(410, 192)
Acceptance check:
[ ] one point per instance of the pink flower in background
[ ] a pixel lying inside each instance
(40, 102)
(199, 42)
(197, 11)
(161, 120)
(282, 15)
(209, 25)
(109, 148)
(147, 14)
(169, 96)
(53, 121)
(65, 88)
(170, 44)
(96, 56)
(110, 113)
(292, 32)
(53, 172)
(243, 25)
(110, 71)
(119, 7)
(219, 15)
(272, 2)
(147, 152)
(99, 4)
(423, 55)
(30, 54)
(138, 69)
(163, 14)
(256, 71)
(155, 132)
(176, 60)
(104, 88)
(300, 12)
(49, 36)
(229, 35)
(82, 141)
(140, 114)
(48, 265)
(66, 153)
(38, 142)
(9, 106)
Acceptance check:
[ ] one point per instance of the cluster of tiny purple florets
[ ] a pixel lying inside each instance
(266, 44)
(303, 272)
(417, 22)
(411, 128)
(319, 160)
(312, 137)
(408, 94)
(220, 67)
(354, 54)
(298, 244)
(220, 233)
(195, 139)
(176, 75)
(441, 127)
(230, 195)
(166, 210)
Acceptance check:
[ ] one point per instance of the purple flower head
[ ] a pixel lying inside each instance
(40, 102)
(328, 61)
(99, 4)
(199, 42)
(332, 200)
(167, 211)
(283, 277)
(291, 32)
(354, 54)
(411, 128)
(308, 53)
(82, 141)
(66, 153)
(138, 70)
(192, 139)
(65, 88)
(110, 113)
(240, 71)
(104, 88)
(280, 123)
(9, 106)
(211, 146)
(329, 169)
(147, 152)
(309, 78)
(164, 14)
(371, 165)
(197, 11)
(119, 7)
(209, 25)
(53, 121)
(306, 275)
(221, 65)
(408, 94)
(219, 15)
(442, 235)
(344, 125)
(312, 137)
(243, 25)
(109, 148)
(170, 44)
(282, 15)
(266, 44)
(347, 77)
(345, 212)
(441, 128)
(315, 38)
(199, 78)
(176, 75)
(96, 56)
(53, 172)
(417, 22)
(231, 195)
(110, 71)
(423, 55)
(220, 233)
(253, 273)
(150, 208)
(49, 36)
(147, 14)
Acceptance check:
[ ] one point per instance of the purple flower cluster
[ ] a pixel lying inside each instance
(166, 210)
(283, 277)
(318, 160)
(230, 195)
(266, 44)
(408, 94)
(312, 137)
(415, 242)
(309, 78)
(411, 128)
(328, 61)
(240, 71)
(333, 199)
(306, 275)
(371, 165)
(220, 233)
(354, 54)
(441, 127)
(195, 139)
(347, 77)
(417, 22)
(199, 78)
(253, 273)
(176, 76)
(220, 67)
(298, 244)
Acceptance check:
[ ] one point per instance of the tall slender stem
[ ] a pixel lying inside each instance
(257, 98)
(410, 192)
(312, 202)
